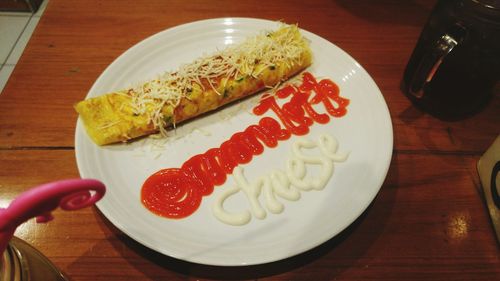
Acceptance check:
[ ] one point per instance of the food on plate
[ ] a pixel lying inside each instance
(178, 192)
(260, 62)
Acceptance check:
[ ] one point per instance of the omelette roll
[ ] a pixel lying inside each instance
(204, 85)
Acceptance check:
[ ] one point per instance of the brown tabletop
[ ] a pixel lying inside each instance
(428, 221)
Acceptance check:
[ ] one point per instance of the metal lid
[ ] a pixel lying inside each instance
(489, 4)
(485, 10)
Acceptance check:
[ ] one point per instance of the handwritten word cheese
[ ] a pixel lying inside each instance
(262, 193)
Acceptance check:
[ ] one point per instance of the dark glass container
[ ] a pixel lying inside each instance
(455, 67)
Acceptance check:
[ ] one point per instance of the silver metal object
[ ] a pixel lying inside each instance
(430, 64)
(21, 262)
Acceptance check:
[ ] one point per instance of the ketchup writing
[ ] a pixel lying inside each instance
(177, 192)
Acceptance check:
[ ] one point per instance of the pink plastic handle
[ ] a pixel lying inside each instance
(39, 202)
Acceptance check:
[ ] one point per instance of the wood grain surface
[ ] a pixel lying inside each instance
(428, 222)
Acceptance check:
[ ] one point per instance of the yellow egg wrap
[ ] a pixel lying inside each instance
(258, 63)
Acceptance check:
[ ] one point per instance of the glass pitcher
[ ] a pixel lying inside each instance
(455, 67)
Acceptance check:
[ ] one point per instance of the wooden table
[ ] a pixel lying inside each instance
(428, 222)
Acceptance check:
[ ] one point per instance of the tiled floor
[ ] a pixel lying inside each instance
(15, 32)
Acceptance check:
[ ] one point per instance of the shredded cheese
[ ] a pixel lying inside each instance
(249, 58)
(110, 124)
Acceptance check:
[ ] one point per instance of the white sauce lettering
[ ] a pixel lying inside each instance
(284, 184)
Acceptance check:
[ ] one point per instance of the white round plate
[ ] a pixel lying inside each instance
(365, 132)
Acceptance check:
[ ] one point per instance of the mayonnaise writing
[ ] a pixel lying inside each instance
(277, 183)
